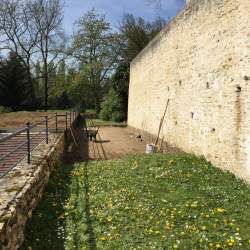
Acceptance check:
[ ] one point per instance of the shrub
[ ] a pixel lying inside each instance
(117, 116)
(111, 108)
(5, 110)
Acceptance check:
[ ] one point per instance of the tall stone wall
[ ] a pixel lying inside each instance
(201, 63)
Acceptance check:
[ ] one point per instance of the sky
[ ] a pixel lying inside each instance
(115, 10)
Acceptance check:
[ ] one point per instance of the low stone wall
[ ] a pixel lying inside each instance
(22, 188)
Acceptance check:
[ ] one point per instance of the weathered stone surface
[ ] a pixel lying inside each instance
(201, 62)
(22, 188)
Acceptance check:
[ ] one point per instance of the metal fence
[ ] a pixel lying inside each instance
(18, 145)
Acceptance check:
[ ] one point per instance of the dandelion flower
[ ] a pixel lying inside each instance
(102, 238)
(109, 219)
(220, 210)
(217, 245)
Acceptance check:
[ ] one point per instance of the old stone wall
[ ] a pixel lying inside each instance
(22, 188)
(201, 63)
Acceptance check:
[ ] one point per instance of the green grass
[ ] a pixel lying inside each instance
(46, 229)
(90, 111)
(99, 122)
(142, 202)
(157, 202)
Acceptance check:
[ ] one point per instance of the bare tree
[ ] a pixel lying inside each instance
(18, 35)
(47, 16)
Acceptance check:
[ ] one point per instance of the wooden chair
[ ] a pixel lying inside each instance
(92, 131)
(92, 134)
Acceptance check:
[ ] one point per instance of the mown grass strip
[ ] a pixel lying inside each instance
(99, 123)
(46, 229)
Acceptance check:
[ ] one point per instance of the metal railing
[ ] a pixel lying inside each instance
(16, 146)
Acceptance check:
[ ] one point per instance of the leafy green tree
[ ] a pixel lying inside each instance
(58, 97)
(111, 107)
(95, 46)
(80, 89)
(120, 83)
(38, 85)
(51, 75)
(137, 33)
(61, 74)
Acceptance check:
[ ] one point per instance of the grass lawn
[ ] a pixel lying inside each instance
(157, 202)
(143, 202)
(90, 111)
(46, 229)
(99, 122)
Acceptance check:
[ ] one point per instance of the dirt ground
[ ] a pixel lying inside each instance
(14, 120)
(112, 142)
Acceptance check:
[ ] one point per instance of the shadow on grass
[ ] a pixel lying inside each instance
(92, 243)
(46, 229)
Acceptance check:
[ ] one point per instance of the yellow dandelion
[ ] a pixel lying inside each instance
(230, 242)
(217, 245)
(109, 219)
(220, 210)
(194, 204)
(102, 238)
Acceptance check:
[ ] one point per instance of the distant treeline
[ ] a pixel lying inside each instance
(40, 68)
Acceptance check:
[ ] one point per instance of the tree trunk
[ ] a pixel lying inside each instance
(45, 86)
(31, 86)
(97, 105)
